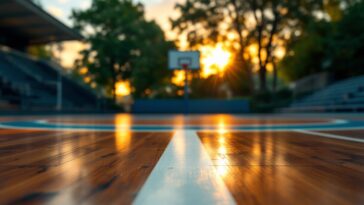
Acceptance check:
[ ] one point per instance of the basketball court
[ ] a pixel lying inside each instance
(121, 56)
(176, 159)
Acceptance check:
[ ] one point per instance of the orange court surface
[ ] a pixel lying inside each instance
(176, 159)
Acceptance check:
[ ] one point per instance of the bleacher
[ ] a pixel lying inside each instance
(30, 84)
(344, 96)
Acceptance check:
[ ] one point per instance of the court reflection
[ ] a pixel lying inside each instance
(262, 149)
(285, 168)
(72, 164)
(249, 164)
(123, 132)
(222, 159)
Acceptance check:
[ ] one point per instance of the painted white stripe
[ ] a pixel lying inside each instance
(167, 130)
(332, 136)
(90, 129)
(187, 126)
(184, 175)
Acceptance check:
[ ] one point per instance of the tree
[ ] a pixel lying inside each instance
(151, 76)
(346, 46)
(332, 45)
(120, 43)
(202, 21)
(307, 53)
(41, 52)
(261, 22)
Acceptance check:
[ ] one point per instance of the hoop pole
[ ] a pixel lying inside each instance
(59, 92)
(186, 93)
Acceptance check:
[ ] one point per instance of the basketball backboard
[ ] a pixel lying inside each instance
(179, 60)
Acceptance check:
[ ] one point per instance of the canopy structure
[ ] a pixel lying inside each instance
(23, 23)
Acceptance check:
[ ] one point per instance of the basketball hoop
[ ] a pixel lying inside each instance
(184, 60)
(185, 66)
(179, 60)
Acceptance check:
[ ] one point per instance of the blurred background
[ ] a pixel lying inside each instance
(111, 55)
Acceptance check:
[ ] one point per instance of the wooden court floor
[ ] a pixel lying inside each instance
(210, 159)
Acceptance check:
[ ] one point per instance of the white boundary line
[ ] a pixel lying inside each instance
(184, 175)
(155, 130)
(184, 126)
(332, 136)
(290, 127)
(80, 129)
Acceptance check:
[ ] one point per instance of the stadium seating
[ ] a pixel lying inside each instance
(344, 96)
(30, 84)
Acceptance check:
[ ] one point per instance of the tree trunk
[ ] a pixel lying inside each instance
(261, 24)
(247, 70)
(114, 90)
(275, 76)
(239, 29)
(263, 78)
(114, 79)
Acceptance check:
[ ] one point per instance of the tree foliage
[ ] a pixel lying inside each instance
(121, 45)
(261, 22)
(329, 46)
(41, 52)
(306, 55)
(267, 24)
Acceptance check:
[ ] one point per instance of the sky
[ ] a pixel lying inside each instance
(159, 10)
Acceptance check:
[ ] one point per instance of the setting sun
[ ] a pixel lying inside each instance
(123, 88)
(214, 60)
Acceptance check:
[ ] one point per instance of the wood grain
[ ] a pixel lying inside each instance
(288, 168)
(43, 167)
